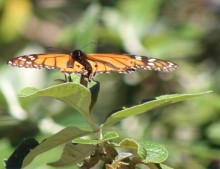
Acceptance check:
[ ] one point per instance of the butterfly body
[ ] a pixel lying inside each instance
(80, 57)
(91, 65)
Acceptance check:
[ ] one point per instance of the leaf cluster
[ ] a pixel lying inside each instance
(82, 147)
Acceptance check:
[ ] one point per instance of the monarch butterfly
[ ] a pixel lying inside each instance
(91, 65)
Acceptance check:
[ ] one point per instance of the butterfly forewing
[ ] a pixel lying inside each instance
(48, 61)
(158, 65)
(115, 62)
(126, 63)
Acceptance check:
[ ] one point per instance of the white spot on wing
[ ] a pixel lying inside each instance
(47, 67)
(152, 60)
(148, 67)
(150, 64)
(138, 58)
(158, 68)
(170, 64)
(28, 62)
(22, 59)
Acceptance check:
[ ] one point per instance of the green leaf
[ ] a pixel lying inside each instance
(162, 166)
(65, 135)
(213, 131)
(129, 143)
(144, 107)
(108, 136)
(152, 152)
(73, 94)
(157, 166)
(73, 154)
(94, 94)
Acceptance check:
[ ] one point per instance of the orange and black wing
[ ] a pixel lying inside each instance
(105, 63)
(64, 62)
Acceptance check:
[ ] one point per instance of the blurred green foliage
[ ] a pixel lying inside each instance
(185, 32)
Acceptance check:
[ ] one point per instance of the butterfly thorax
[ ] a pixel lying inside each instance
(80, 57)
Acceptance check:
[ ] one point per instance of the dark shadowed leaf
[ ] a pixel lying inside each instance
(16, 159)
(94, 94)
(158, 166)
(73, 154)
(64, 136)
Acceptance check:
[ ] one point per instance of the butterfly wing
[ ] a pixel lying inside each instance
(64, 62)
(92, 64)
(104, 63)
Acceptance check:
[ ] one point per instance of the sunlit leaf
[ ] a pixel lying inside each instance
(162, 166)
(108, 136)
(129, 143)
(73, 94)
(152, 152)
(142, 108)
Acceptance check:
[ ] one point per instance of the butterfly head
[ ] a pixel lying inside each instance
(77, 54)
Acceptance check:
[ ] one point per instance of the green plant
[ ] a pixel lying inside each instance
(85, 147)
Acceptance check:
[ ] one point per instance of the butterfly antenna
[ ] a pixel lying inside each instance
(91, 43)
(60, 49)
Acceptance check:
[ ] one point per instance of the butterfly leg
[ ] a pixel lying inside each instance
(65, 77)
(69, 78)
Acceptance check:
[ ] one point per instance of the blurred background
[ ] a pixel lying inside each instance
(186, 32)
